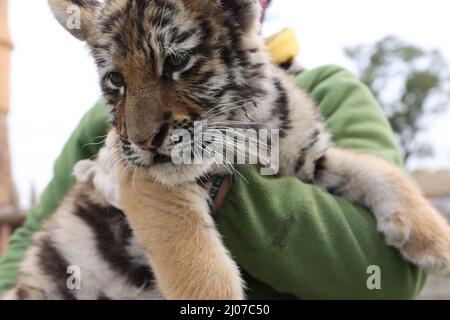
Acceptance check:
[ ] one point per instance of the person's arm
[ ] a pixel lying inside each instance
(302, 241)
(84, 143)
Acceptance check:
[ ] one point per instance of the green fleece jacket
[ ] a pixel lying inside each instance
(292, 240)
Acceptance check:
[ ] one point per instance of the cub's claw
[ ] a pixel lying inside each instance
(102, 175)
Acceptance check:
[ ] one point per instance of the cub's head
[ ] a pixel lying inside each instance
(166, 64)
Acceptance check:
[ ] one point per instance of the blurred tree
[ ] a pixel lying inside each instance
(411, 84)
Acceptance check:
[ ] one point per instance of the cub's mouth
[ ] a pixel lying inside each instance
(159, 158)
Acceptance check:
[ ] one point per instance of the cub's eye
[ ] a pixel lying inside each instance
(177, 62)
(116, 79)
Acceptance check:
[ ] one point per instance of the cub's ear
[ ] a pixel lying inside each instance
(76, 16)
(246, 12)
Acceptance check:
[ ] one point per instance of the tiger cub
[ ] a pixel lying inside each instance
(166, 64)
(88, 251)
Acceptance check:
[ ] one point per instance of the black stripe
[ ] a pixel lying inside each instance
(304, 151)
(281, 108)
(206, 30)
(109, 23)
(165, 4)
(339, 187)
(112, 233)
(152, 53)
(141, 40)
(183, 36)
(141, 7)
(85, 3)
(55, 265)
(319, 166)
(121, 42)
(103, 296)
(22, 294)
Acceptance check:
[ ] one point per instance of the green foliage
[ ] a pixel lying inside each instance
(411, 84)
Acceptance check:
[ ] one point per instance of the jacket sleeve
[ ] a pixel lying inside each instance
(83, 144)
(304, 242)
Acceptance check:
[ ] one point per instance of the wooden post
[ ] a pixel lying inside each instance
(5, 233)
(6, 186)
(6, 193)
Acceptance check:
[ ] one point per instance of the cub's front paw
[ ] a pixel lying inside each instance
(102, 175)
(422, 235)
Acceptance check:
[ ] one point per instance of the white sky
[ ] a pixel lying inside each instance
(54, 80)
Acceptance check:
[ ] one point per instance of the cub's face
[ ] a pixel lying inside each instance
(166, 65)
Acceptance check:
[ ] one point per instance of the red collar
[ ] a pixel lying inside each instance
(264, 4)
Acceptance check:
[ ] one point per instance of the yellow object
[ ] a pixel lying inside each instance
(283, 46)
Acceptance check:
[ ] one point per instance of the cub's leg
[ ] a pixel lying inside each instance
(175, 227)
(403, 215)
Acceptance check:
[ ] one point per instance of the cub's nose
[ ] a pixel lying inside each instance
(155, 140)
